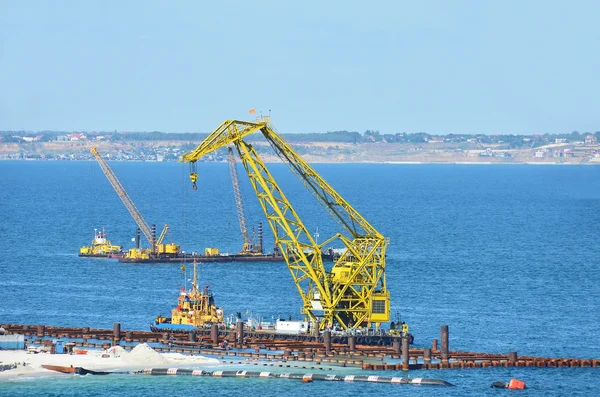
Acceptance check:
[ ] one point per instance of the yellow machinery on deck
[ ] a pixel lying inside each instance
(157, 246)
(353, 291)
(101, 246)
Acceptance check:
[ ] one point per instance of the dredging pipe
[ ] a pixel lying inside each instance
(304, 377)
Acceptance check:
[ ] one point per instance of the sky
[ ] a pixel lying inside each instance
(492, 67)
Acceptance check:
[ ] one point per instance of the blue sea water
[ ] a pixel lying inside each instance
(507, 256)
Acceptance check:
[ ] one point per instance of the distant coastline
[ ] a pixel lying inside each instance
(468, 153)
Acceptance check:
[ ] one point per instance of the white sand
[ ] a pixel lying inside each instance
(118, 360)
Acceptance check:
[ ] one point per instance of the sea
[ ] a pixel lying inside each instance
(506, 255)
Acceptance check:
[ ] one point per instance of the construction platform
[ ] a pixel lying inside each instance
(287, 352)
(205, 258)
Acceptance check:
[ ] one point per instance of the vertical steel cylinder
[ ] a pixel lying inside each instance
(153, 242)
(434, 344)
(192, 336)
(327, 340)
(512, 357)
(352, 343)
(404, 354)
(396, 345)
(41, 330)
(445, 344)
(260, 238)
(427, 355)
(214, 334)
(117, 330)
(239, 332)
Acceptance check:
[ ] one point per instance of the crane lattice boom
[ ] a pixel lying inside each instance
(116, 184)
(160, 238)
(353, 291)
(239, 203)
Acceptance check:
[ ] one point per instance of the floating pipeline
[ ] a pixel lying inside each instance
(296, 376)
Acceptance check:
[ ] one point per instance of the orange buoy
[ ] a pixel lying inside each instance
(306, 380)
(516, 384)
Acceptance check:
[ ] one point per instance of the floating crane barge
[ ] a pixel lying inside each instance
(352, 292)
(328, 256)
(160, 252)
(206, 258)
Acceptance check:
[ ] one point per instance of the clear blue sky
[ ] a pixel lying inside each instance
(184, 66)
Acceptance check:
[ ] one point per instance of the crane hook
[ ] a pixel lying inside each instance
(193, 175)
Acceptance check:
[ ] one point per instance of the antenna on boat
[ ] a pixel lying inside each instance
(184, 277)
(194, 280)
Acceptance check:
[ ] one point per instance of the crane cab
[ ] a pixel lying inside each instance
(380, 307)
(342, 273)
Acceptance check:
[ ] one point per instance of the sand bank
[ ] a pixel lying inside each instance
(115, 359)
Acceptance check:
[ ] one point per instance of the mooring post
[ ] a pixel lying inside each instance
(214, 334)
(327, 340)
(352, 343)
(116, 333)
(445, 345)
(240, 332)
(512, 358)
(396, 345)
(427, 355)
(405, 354)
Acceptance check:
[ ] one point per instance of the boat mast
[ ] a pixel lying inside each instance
(194, 280)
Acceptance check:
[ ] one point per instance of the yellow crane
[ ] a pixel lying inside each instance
(157, 246)
(350, 293)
